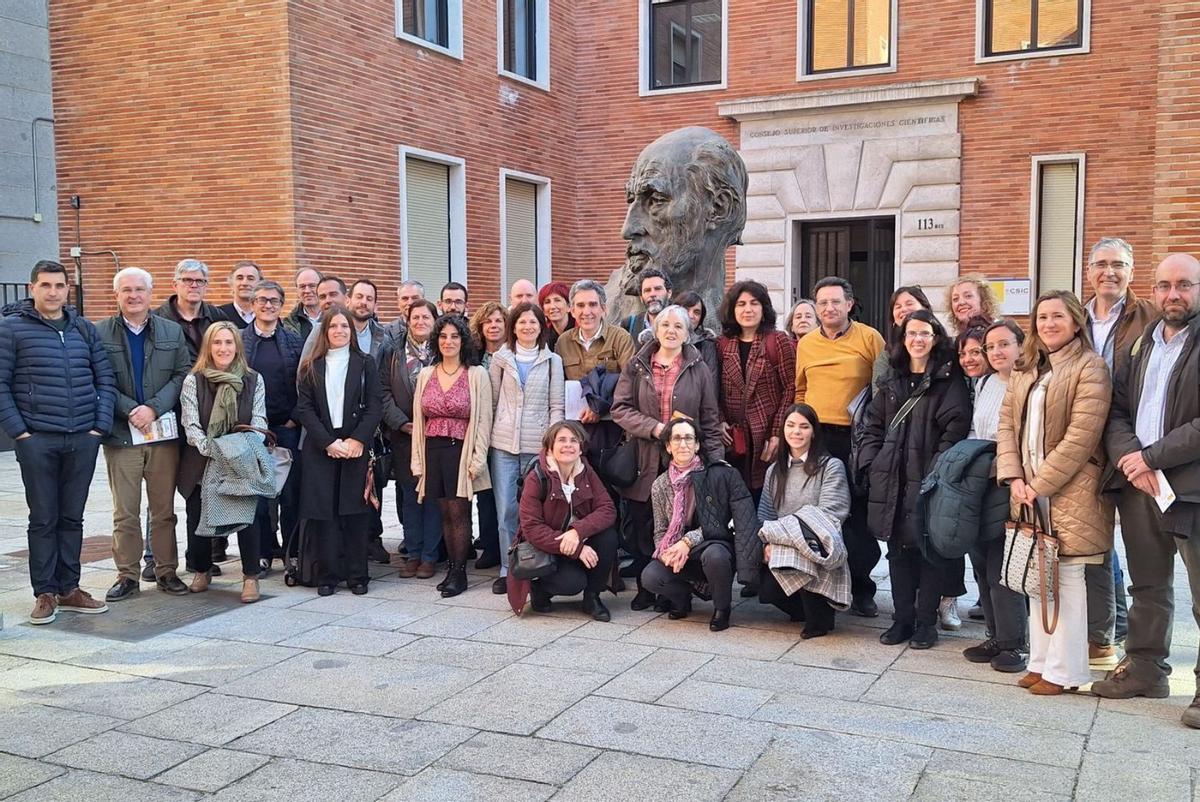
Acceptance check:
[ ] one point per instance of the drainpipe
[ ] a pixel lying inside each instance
(37, 211)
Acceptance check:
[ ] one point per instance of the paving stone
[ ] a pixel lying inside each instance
(341, 603)
(1052, 747)
(589, 655)
(517, 699)
(456, 622)
(847, 648)
(941, 663)
(520, 758)
(694, 635)
(206, 662)
(350, 640)
(654, 676)
(355, 740)
(602, 630)
(212, 770)
(93, 787)
(7, 662)
(462, 653)
(661, 732)
(17, 774)
(712, 697)
(1122, 736)
(478, 595)
(809, 764)
(954, 776)
(302, 781)
(258, 624)
(32, 730)
(377, 685)
(390, 615)
(212, 719)
(620, 777)
(1139, 776)
(42, 643)
(444, 785)
(529, 630)
(126, 754)
(102, 693)
(785, 677)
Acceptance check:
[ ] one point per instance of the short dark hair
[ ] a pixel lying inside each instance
(47, 266)
(422, 303)
(653, 272)
(917, 293)
(452, 285)
(341, 284)
(246, 263)
(729, 324)
(976, 329)
(943, 349)
(510, 324)
(1006, 323)
(689, 298)
(834, 281)
(267, 284)
(368, 282)
(576, 429)
(468, 355)
(665, 437)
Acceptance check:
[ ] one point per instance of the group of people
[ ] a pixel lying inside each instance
(650, 448)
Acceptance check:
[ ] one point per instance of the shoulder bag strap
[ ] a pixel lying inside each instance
(902, 413)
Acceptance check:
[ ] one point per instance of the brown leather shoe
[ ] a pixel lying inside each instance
(426, 570)
(1047, 688)
(250, 592)
(1029, 680)
(200, 581)
(80, 601)
(408, 569)
(43, 609)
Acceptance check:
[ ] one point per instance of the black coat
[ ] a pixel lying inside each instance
(361, 412)
(724, 513)
(896, 460)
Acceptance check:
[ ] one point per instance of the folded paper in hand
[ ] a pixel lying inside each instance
(163, 428)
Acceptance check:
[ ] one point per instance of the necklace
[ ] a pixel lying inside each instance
(448, 374)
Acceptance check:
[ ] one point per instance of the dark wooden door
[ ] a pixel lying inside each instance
(860, 250)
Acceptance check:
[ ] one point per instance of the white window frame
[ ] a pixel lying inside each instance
(458, 210)
(644, 76)
(542, 205)
(454, 24)
(542, 46)
(981, 57)
(1035, 213)
(802, 73)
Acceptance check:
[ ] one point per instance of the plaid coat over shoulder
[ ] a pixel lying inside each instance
(758, 399)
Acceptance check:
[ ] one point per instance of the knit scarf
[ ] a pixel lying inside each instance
(683, 503)
(524, 354)
(228, 386)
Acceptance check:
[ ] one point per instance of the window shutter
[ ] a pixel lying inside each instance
(520, 231)
(1059, 196)
(428, 223)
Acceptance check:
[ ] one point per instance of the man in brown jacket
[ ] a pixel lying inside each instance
(1153, 433)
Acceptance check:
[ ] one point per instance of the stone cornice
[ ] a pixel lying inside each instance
(750, 108)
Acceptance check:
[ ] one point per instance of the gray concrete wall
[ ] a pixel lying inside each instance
(25, 96)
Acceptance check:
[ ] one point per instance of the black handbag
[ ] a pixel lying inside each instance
(619, 463)
(527, 561)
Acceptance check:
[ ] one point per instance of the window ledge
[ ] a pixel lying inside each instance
(749, 108)
(513, 76)
(1032, 54)
(428, 45)
(679, 90)
(821, 76)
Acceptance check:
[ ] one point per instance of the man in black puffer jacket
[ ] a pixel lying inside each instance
(57, 393)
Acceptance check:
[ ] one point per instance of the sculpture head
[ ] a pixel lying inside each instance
(687, 204)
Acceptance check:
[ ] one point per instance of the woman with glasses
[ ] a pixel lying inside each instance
(915, 416)
(904, 301)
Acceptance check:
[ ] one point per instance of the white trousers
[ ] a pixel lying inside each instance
(1062, 658)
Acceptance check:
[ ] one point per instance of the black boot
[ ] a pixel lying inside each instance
(594, 607)
(442, 585)
(720, 620)
(456, 580)
(642, 600)
(539, 602)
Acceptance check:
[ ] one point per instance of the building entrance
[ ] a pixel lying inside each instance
(860, 250)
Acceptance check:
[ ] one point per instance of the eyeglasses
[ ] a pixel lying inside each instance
(923, 336)
(683, 439)
(1180, 286)
(193, 282)
(269, 301)
(1116, 265)
(974, 353)
(997, 346)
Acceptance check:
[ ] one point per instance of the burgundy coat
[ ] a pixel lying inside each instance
(541, 519)
(759, 399)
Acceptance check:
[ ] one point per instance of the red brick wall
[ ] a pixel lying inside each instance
(1177, 132)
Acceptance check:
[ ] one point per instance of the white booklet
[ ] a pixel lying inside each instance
(1166, 496)
(575, 403)
(164, 428)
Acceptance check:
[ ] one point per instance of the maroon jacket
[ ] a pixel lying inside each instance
(759, 399)
(541, 519)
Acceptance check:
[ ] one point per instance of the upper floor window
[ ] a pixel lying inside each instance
(1031, 26)
(436, 24)
(687, 43)
(523, 31)
(848, 35)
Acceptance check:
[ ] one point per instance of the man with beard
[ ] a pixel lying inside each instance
(655, 292)
(1153, 434)
(687, 205)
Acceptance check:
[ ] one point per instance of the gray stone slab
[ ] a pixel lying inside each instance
(126, 754)
(1052, 747)
(785, 677)
(102, 693)
(694, 635)
(529, 630)
(212, 770)
(355, 740)
(462, 653)
(957, 776)
(377, 685)
(444, 785)
(1137, 776)
(456, 622)
(93, 787)
(654, 676)
(847, 648)
(42, 643)
(341, 603)
(684, 735)
(32, 730)
(224, 719)
(258, 624)
(712, 697)
(207, 662)
(519, 758)
(150, 614)
(1122, 736)
(517, 699)
(602, 630)
(809, 764)
(941, 663)
(301, 781)
(350, 640)
(619, 777)
(17, 774)
(583, 654)
(391, 615)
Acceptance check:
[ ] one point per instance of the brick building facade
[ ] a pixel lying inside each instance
(890, 140)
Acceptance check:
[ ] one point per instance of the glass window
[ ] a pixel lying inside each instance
(848, 34)
(685, 42)
(1058, 218)
(1014, 26)
(520, 37)
(428, 20)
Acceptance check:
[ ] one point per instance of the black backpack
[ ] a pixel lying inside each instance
(534, 467)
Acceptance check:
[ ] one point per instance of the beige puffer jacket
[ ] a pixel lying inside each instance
(1077, 401)
(522, 414)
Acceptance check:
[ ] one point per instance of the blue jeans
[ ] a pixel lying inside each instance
(56, 470)
(506, 472)
(422, 524)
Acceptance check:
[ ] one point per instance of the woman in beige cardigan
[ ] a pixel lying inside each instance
(452, 425)
(1049, 452)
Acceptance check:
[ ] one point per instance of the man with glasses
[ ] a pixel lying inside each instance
(452, 300)
(187, 307)
(1153, 434)
(273, 352)
(307, 312)
(240, 310)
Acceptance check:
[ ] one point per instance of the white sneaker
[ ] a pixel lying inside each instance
(948, 614)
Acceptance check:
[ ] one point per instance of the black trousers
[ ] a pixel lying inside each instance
(811, 608)
(489, 524)
(572, 577)
(1005, 611)
(638, 522)
(715, 563)
(342, 546)
(862, 550)
(199, 547)
(916, 585)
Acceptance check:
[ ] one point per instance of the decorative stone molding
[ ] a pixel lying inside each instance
(954, 89)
